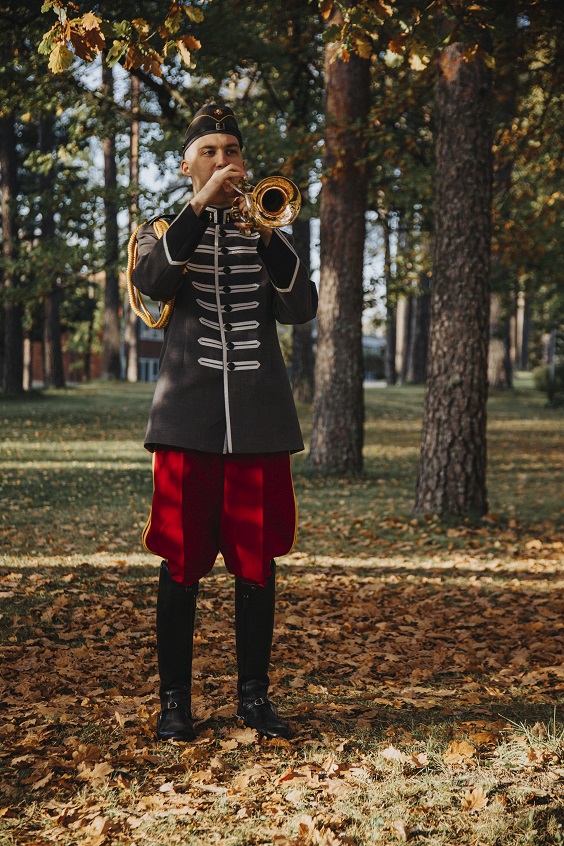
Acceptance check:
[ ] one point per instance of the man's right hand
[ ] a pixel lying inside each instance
(218, 190)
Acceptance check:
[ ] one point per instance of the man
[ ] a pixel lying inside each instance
(222, 423)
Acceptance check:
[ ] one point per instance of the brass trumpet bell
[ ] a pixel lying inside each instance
(274, 202)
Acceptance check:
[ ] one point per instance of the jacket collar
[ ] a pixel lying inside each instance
(216, 216)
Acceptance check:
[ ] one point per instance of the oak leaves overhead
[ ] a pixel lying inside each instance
(138, 43)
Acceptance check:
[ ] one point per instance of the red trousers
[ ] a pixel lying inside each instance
(240, 505)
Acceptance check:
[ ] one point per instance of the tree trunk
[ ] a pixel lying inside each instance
(526, 333)
(111, 364)
(87, 361)
(418, 364)
(131, 319)
(496, 352)
(12, 372)
(452, 467)
(53, 371)
(508, 358)
(302, 339)
(391, 310)
(338, 414)
(407, 338)
(27, 362)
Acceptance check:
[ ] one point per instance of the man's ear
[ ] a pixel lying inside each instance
(185, 167)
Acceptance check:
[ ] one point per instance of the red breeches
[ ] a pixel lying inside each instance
(240, 505)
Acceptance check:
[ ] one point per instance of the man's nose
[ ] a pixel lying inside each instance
(221, 159)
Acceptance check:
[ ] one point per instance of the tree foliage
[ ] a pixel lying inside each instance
(133, 41)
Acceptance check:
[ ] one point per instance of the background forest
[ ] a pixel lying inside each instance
(344, 97)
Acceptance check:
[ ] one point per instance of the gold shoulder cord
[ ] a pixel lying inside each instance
(137, 304)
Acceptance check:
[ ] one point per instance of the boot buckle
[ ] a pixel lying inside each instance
(260, 701)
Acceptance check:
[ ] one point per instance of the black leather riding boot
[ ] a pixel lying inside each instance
(254, 625)
(176, 610)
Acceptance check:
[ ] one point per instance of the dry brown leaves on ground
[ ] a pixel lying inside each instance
(400, 683)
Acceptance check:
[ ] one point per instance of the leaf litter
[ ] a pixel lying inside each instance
(419, 662)
(411, 674)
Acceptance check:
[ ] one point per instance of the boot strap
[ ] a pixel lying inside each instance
(261, 700)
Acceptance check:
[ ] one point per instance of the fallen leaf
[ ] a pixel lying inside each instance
(393, 754)
(459, 752)
(43, 781)
(97, 773)
(474, 800)
(245, 736)
(400, 829)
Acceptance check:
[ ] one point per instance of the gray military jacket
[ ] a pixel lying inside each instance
(222, 384)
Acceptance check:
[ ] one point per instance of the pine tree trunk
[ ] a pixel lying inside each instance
(53, 370)
(131, 319)
(338, 414)
(496, 350)
(407, 339)
(452, 468)
(526, 333)
(12, 371)
(508, 358)
(111, 364)
(418, 365)
(302, 339)
(391, 311)
(27, 362)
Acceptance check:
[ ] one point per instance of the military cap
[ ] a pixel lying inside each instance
(210, 120)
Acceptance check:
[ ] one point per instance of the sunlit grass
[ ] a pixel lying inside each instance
(75, 475)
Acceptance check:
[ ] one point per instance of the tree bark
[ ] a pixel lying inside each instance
(111, 364)
(497, 345)
(452, 468)
(302, 339)
(131, 319)
(12, 371)
(338, 414)
(418, 363)
(508, 358)
(53, 371)
(27, 362)
(391, 310)
(526, 333)
(407, 339)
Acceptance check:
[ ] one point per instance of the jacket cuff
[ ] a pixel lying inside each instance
(281, 261)
(183, 236)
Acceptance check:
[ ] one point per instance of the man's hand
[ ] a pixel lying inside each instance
(265, 232)
(218, 191)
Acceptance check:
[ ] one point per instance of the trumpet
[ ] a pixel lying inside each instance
(274, 202)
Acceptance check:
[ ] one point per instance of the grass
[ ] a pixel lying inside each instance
(420, 662)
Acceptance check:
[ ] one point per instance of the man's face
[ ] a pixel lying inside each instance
(208, 154)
